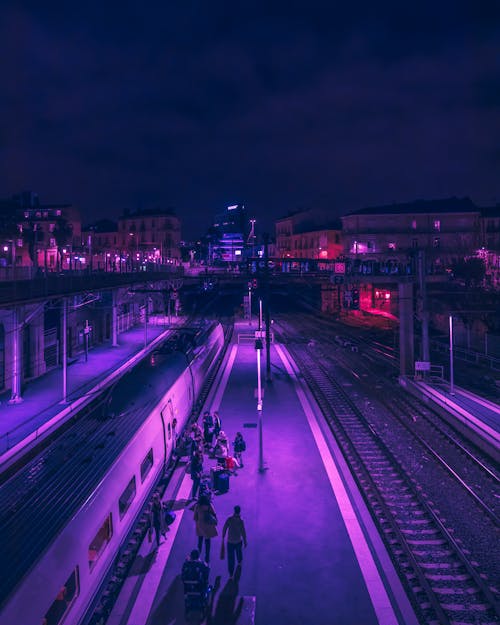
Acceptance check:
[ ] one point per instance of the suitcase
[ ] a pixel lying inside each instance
(221, 482)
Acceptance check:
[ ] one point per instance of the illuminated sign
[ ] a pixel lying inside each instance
(233, 207)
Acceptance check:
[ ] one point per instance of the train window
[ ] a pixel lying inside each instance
(169, 431)
(146, 465)
(100, 541)
(64, 600)
(127, 497)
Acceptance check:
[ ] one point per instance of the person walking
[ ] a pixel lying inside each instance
(196, 471)
(157, 518)
(234, 527)
(239, 446)
(206, 524)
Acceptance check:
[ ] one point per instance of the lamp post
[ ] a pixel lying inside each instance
(258, 347)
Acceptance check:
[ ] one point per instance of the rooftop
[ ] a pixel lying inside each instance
(447, 205)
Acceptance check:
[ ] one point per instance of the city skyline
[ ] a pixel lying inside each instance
(278, 108)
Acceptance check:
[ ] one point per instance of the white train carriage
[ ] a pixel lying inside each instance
(62, 583)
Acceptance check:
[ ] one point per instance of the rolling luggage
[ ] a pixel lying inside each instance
(221, 481)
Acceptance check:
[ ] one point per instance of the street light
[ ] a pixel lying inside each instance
(258, 347)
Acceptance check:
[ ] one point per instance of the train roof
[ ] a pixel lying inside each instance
(39, 500)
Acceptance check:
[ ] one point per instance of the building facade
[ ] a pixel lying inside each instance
(446, 229)
(150, 236)
(308, 234)
(490, 245)
(40, 236)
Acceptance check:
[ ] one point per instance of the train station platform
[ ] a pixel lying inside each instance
(314, 556)
(479, 415)
(22, 424)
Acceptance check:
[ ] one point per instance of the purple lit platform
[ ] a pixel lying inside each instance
(313, 556)
(480, 416)
(22, 424)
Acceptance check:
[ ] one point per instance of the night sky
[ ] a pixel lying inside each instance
(196, 105)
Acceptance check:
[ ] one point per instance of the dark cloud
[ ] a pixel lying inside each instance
(276, 105)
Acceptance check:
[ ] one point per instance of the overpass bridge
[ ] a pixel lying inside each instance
(45, 321)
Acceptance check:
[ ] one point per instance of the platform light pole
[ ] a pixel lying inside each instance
(258, 348)
(260, 314)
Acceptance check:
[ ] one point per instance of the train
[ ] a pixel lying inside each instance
(65, 567)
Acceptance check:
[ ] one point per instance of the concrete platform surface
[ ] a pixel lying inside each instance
(312, 557)
(42, 397)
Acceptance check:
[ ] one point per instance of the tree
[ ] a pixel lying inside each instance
(31, 236)
(9, 229)
(471, 270)
(63, 234)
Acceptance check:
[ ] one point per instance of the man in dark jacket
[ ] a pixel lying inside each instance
(196, 471)
(236, 537)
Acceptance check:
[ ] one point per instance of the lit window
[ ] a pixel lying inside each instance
(100, 541)
(127, 497)
(58, 213)
(64, 600)
(146, 465)
(437, 225)
(391, 246)
(414, 224)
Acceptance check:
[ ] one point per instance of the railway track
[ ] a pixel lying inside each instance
(465, 463)
(446, 586)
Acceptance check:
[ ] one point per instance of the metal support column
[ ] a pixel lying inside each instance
(114, 320)
(258, 347)
(406, 350)
(65, 350)
(452, 380)
(16, 357)
(266, 301)
(425, 310)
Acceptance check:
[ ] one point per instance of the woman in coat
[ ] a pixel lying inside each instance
(206, 528)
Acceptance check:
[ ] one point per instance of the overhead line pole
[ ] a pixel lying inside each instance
(266, 302)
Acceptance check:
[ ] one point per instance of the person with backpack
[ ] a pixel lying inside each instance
(239, 447)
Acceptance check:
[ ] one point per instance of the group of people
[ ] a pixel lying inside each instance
(209, 438)
(213, 440)
(206, 522)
